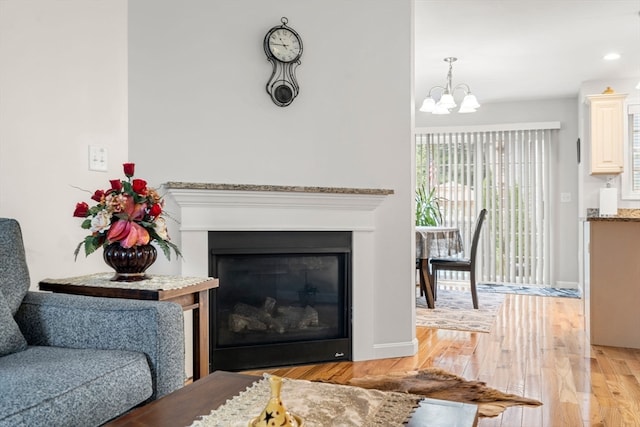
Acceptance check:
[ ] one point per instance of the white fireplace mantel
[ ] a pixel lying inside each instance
(202, 207)
(267, 207)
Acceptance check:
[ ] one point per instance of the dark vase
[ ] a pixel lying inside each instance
(130, 264)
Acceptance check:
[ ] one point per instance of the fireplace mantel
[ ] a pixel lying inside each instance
(203, 207)
(175, 185)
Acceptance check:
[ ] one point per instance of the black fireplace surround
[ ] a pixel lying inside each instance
(284, 298)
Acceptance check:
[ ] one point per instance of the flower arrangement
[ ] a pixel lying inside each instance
(129, 213)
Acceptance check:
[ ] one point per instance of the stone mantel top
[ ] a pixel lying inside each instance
(176, 185)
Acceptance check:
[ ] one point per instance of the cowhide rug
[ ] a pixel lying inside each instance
(439, 384)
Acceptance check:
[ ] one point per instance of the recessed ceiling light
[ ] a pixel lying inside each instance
(611, 56)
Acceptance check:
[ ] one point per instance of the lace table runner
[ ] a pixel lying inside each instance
(152, 283)
(318, 404)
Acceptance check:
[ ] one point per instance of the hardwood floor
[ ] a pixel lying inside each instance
(538, 348)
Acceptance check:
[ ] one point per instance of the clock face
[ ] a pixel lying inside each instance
(284, 45)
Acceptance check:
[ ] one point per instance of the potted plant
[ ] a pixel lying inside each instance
(428, 211)
(125, 220)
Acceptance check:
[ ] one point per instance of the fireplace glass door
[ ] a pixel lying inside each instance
(283, 298)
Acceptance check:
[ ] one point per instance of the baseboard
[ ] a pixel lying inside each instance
(397, 349)
(567, 285)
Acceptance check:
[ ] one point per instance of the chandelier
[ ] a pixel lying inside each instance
(446, 102)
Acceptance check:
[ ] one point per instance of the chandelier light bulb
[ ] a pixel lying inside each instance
(428, 105)
(440, 109)
(447, 101)
(470, 101)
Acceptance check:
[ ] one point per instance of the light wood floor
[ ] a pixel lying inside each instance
(537, 348)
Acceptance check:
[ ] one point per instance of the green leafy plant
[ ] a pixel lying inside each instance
(427, 207)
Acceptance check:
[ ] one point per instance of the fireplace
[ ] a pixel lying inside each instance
(284, 298)
(200, 208)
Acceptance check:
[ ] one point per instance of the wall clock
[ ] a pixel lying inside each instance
(283, 47)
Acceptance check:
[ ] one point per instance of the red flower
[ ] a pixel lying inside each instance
(97, 196)
(116, 184)
(139, 186)
(129, 169)
(155, 210)
(82, 210)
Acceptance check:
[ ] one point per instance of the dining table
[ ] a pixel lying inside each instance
(434, 242)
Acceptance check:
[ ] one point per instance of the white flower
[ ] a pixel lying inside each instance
(161, 228)
(101, 222)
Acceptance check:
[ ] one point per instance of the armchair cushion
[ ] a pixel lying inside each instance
(13, 268)
(11, 339)
(53, 386)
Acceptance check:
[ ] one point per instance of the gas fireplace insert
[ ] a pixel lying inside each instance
(284, 298)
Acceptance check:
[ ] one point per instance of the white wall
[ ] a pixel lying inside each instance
(564, 171)
(198, 112)
(63, 87)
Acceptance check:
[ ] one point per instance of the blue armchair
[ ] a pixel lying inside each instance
(68, 360)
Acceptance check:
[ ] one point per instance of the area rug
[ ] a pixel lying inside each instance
(505, 288)
(439, 384)
(318, 404)
(454, 310)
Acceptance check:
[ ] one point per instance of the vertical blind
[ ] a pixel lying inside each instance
(634, 130)
(506, 172)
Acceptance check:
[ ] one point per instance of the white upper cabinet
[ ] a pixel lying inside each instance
(607, 133)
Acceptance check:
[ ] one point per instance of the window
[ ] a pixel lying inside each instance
(505, 171)
(631, 175)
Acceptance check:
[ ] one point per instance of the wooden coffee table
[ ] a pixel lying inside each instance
(184, 406)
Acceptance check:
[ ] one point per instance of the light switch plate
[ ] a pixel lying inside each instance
(98, 159)
(565, 197)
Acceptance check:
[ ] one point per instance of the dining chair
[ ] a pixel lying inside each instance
(461, 264)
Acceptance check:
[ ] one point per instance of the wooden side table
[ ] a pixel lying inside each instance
(192, 293)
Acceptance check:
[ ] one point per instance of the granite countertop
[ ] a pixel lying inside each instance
(624, 215)
(275, 188)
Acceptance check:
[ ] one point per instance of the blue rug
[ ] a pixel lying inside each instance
(528, 290)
